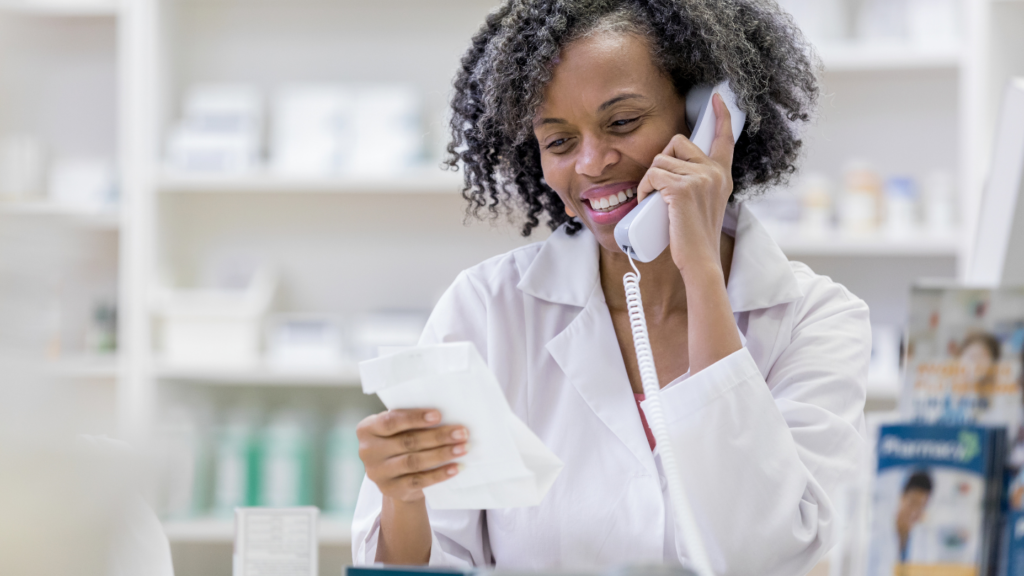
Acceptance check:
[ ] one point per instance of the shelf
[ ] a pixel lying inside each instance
(331, 532)
(104, 219)
(64, 8)
(876, 245)
(854, 57)
(417, 181)
(86, 368)
(346, 375)
(883, 390)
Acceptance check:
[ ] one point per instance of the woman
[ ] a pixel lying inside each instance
(561, 105)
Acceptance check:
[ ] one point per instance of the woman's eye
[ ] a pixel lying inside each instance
(556, 143)
(619, 123)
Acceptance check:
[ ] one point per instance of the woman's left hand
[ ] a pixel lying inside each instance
(696, 189)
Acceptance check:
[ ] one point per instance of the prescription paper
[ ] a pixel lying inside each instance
(507, 465)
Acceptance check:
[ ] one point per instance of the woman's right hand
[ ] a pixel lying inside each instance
(404, 451)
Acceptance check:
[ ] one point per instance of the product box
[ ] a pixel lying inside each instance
(936, 506)
(963, 357)
(1013, 545)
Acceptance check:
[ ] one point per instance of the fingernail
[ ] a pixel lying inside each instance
(453, 470)
(432, 416)
(459, 434)
(459, 450)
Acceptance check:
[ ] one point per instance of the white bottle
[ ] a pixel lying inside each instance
(938, 201)
(235, 459)
(901, 206)
(183, 456)
(285, 460)
(816, 206)
(344, 468)
(862, 191)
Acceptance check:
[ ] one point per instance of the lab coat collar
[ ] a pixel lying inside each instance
(599, 374)
(565, 270)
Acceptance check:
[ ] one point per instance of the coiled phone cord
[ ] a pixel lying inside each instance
(685, 524)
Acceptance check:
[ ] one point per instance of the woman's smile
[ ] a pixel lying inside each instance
(606, 205)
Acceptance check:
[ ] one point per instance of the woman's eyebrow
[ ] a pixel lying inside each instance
(600, 108)
(618, 99)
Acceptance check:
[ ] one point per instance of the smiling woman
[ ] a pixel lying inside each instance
(574, 111)
(502, 81)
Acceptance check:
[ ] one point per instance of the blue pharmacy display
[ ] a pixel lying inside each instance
(937, 505)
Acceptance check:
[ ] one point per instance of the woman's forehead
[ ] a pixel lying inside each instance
(596, 68)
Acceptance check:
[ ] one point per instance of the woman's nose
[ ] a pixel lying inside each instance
(595, 156)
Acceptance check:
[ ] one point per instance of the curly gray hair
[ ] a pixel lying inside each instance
(501, 81)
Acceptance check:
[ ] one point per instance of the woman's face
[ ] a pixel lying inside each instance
(977, 359)
(607, 112)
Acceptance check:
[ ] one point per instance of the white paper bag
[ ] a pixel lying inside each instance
(507, 466)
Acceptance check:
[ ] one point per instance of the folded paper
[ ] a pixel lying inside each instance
(507, 465)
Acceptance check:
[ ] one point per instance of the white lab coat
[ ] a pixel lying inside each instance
(764, 436)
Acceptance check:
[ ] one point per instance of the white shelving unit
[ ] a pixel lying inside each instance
(107, 219)
(419, 181)
(331, 532)
(353, 244)
(861, 57)
(59, 73)
(343, 376)
(839, 245)
(62, 8)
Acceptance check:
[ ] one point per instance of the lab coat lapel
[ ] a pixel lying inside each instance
(565, 272)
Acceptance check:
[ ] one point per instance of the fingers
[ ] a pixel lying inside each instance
(413, 462)
(410, 487)
(419, 440)
(724, 144)
(663, 179)
(392, 422)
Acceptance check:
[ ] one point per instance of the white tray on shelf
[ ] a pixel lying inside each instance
(332, 532)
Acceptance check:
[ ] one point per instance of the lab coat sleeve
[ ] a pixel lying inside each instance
(458, 537)
(764, 456)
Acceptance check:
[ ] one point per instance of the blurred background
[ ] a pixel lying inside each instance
(211, 210)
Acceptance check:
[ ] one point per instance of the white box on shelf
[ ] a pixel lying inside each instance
(276, 541)
(82, 183)
(386, 329)
(304, 342)
(313, 131)
(197, 152)
(388, 132)
(224, 109)
(220, 131)
(215, 327)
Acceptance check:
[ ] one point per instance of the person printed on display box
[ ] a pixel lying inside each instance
(916, 493)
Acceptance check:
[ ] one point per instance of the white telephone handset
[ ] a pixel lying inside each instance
(643, 233)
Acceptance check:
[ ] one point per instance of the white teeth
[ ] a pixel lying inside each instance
(612, 200)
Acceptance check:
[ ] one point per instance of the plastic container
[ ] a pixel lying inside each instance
(816, 206)
(236, 460)
(939, 199)
(901, 206)
(215, 327)
(862, 191)
(286, 460)
(344, 468)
